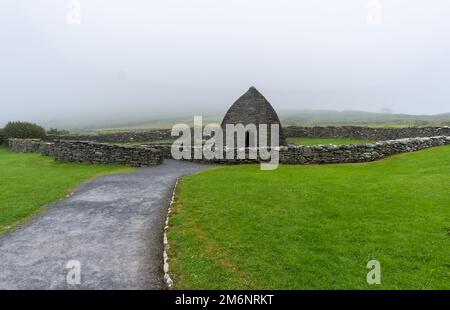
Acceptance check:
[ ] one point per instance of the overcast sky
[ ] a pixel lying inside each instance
(144, 58)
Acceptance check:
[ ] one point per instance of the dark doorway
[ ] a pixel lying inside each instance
(247, 139)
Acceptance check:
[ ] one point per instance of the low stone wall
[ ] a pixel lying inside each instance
(102, 153)
(47, 148)
(322, 154)
(359, 132)
(356, 153)
(91, 152)
(149, 155)
(165, 149)
(118, 137)
(224, 161)
(24, 145)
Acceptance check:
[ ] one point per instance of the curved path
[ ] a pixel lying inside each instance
(113, 226)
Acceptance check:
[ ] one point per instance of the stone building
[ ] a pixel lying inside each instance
(253, 108)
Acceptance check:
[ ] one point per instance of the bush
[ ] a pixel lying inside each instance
(56, 131)
(23, 130)
(2, 139)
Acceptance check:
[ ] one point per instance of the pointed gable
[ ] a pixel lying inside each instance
(253, 108)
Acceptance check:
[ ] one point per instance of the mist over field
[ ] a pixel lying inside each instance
(112, 63)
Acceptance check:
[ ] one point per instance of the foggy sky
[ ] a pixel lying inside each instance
(141, 58)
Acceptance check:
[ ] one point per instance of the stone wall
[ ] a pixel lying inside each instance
(47, 148)
(102, 153)
(224, 161)
(359, 132)
(165, 149)
(322, 154)
(356, 153)
(24, 145)
(91, 152)
(148, 155)
(119, 137)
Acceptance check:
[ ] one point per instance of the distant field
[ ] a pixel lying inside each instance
(360, 118)
(315, 227)
(28, 182)
(317, 141)
(157, 124)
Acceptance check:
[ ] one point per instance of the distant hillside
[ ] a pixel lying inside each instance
(361, 118)
(293, 118)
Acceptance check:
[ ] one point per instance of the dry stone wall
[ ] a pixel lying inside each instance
(165, 149)
(118, 137)
(102, 153)
(321, 154)
(91, 152)
(359, 132)
(327, 154)
(24, 145)
(148, 155)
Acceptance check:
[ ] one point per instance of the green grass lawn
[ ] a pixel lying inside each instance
(30, 181)
(317, 141)
(315, 227)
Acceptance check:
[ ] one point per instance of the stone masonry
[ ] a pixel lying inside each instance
(148, 155)
(91, 152)
(356, 132)
(359, 132)
(253, 108)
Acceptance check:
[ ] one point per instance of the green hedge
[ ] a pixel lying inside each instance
(23, 130)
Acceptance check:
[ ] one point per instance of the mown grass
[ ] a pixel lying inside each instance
(315, 227)
(324, 141)
(28, 182)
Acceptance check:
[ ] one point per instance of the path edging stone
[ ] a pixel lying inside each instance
(167, 277)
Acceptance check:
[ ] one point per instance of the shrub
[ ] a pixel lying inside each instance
(2, 139)
(56, 131)
(23, 130)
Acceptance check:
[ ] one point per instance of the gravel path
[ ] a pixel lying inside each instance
(113, 226)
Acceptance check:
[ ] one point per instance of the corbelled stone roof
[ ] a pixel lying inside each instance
(253, 108)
